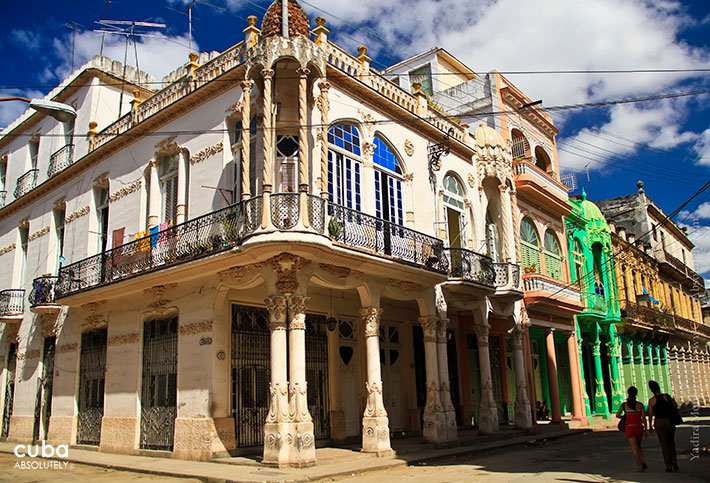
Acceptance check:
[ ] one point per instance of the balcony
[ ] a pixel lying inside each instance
(3, 197)
(552, 293)
(470, 266)
(594, 302)
(540, 185)
(507, 276)
(225, 229)
(60, 160)
(26, 183)
(42, 296)
(12, 305)
(680, 268)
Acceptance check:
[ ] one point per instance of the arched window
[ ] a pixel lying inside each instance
(344, 165)
(542, 159)
(598, 271)
(578, 261)
(529, 246)
(553, 257)
(454, 210)
(519, 145)
(388, 183)
(287, 159)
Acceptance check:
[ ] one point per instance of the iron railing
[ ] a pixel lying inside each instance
(683, 268)
(12, 302)
(316, 213)
(505, 273)
(359, 230)
(60, 160)
(471, 266)
(42, 292)
(194, 239)
(595, 302)
(3, 197)
(647, 315)
(285, 210)
(26, 183)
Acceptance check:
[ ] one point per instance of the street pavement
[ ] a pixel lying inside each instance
(600, 456)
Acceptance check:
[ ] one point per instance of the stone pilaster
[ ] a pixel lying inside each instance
(153, 195)
(375, 423)
(246, 137)
(268, 132)
(488, 419)
(444, 382)
(601, 405)
(323, 104)
(434, 417)
(523, 416)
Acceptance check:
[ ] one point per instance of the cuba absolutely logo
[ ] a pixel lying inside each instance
(25, 451)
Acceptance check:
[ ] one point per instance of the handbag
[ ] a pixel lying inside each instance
(622, 424)
(676, 418)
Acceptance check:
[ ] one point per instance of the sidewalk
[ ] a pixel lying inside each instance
(332, 462)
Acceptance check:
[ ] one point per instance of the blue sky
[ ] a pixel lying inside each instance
(665, 143)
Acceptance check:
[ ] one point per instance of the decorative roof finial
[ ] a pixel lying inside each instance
(639, 184)
(584, 195)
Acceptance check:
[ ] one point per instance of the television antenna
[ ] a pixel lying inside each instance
(74, 27)
(127, 28)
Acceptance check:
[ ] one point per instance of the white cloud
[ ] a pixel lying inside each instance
(26, 39)
(701, 253)
(702, 212)
(702, 148)
(157, 56)
(657, 126)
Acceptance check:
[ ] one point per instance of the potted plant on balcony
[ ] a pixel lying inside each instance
(335, 229)
(531, 268)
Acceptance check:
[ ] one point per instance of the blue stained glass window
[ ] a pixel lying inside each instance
(345, 136)
(385, 157)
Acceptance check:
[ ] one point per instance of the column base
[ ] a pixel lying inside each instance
(452, 433)
(197, 439)
(21, 429)
(289, 445)
(523, 416)
(119, 435)
(435, 430)
(61, 430)
(488, 420)
(376, 435)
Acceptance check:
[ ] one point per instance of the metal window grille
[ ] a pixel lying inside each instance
(9, 390)
(92, 377)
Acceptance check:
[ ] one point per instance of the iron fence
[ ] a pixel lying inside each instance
(42, 292)
(194, 239)
(316, 213)
(471, 266)
(501, 274)
(285, 210)
(26, 183)
(92, 379)
(359, 230)
(60, 160)
(12, 302)
(595, 302)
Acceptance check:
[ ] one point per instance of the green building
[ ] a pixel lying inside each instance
(592, 268)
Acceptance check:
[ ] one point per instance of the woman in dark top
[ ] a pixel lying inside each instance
(660, 410)
(635, 425)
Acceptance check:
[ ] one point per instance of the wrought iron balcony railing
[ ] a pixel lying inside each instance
(507, 275)
(12, 302)
(26, 183)
(471, 266)
(594, 302)
(359, 230)
(3, 197)
(42, 292)
(224, 229)
(60, 160)
(194, 239)
(683, 268)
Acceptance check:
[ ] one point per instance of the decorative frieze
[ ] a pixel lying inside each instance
(21, 356)
(65, 348)
(340, 272)
(206, 153)
(408, 147)
(7, 249)
(237, 273)
(286, 266)
(39, 233)
(77, 214)
(405, 285)
(126, 190)
(159, 290)
(196, 328)
(123, 339)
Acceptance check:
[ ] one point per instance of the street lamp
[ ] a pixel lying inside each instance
(60, 112)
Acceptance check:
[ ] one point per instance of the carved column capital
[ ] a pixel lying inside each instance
(482, 331)
(441, 327)
(429, 325)
(267, 73)
(371, 320)
(518, 332)
(303, 72)
(277, 312)
(297, 311)
(247, 85)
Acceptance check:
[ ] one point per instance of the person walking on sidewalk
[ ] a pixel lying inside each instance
(661, 411)
(635, 427)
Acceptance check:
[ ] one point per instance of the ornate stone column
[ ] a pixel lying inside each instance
(278, 429)
(552, 377)
(613, 349)
(153, 195)
(303, 129)
(648, 368)
(656, 363)
(375, 423)
(181, 208)
(444, 382)
(323, 103)
(580, 355)
(434, 418)
(506, 196)
(523, 415)
(268, 133)
(246, 137)
(303, 451)
(600, 402)
(489, 411)
(335, 389)
(628, 362)
(578, 412)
